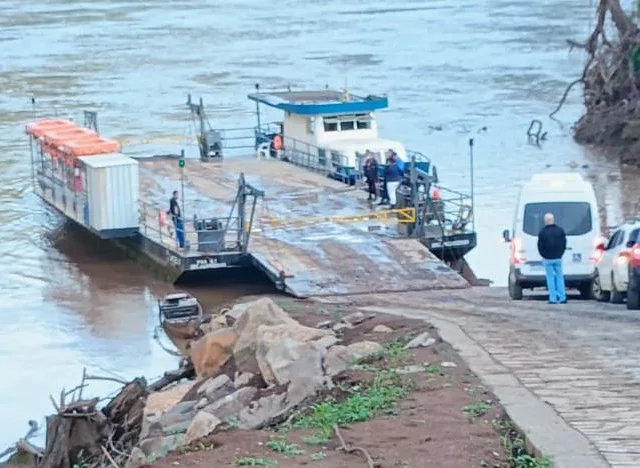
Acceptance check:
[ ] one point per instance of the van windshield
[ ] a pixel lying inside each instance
(573, 217)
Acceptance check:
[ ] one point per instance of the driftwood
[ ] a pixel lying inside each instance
(610, 80)
(81, 434)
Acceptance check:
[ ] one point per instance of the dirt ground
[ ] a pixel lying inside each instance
(447, 419)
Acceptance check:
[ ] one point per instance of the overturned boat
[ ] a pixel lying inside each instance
(180, 315)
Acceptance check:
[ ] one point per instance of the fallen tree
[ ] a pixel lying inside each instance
(610, 83)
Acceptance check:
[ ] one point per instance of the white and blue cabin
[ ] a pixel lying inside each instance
(327, 131)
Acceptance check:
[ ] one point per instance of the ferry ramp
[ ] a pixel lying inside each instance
(305, 258)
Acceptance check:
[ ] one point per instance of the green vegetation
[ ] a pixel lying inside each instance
(282, 446)
(317, 439)
(361, 404)
(515, 448)
(318, 456)
(251, 461)
(476, 410)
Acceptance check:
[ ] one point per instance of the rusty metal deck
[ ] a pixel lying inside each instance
(319, 259)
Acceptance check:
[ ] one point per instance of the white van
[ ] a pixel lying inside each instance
(572, 201)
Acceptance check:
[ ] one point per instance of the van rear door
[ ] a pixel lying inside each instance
(575, 217)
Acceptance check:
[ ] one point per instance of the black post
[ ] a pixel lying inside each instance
(242, 198)
(258, 109)
(182, 182)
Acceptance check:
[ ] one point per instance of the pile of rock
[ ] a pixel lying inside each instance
(254, 365)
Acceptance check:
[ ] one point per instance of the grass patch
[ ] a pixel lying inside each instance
(251, 461)
(316, 439)
(433, 370)
(361, 404)
(281, 446)
(476, 410)
(318, 456)
(515, 447)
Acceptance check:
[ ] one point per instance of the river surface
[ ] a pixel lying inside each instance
(452, 71)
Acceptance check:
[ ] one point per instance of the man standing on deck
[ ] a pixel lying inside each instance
(176, 216)
(552, 242)
(392, 177)
(371, 173)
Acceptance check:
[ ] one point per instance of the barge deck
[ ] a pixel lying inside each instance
(302, 253)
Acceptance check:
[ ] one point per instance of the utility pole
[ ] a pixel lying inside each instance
(181, 164)
(473, 205)
(258, 112)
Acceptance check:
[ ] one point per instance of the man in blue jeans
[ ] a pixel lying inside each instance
(552, 242)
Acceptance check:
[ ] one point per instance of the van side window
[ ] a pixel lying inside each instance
(573, 217)
(633, 237)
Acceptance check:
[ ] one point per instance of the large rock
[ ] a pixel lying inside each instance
(179, 415)
(422, 340)
(231, 316)
(231, 405)
(278, 346)
(212, 351)
(158, 447)
(202, 425)
(263, 312)
(306, 378)
(339, 358)
(160, 402)
(214, 389)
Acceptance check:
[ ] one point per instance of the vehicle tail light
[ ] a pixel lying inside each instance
(517, 254)
(634, 256)
(598, 251)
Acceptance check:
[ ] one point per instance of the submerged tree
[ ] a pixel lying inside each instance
(611, 82)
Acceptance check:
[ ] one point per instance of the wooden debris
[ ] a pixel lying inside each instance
(79, 433)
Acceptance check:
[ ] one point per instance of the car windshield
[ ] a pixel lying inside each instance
(573, 217)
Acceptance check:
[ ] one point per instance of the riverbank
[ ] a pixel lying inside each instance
(397, 392)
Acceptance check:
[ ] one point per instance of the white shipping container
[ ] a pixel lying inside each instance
(112, 187)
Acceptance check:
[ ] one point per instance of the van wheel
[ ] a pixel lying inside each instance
(633, 300)
(596, 290)
(616, 296)
(515, 290)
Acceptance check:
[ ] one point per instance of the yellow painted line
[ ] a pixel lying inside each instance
(402, 215)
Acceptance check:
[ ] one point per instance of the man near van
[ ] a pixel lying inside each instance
(552, 242)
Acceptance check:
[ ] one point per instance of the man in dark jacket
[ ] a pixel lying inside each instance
(392, 178)
(371, 174)
(176, 216)
(552, 242)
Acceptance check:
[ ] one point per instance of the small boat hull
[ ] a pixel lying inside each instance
(180, 316)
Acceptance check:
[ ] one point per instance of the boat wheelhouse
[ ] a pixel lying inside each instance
(326, 130)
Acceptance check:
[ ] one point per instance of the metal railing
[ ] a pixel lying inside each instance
(218, 237)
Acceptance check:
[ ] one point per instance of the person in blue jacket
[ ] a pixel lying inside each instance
(393, 172)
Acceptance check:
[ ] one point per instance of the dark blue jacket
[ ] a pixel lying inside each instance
(552, 242)
(392, 172)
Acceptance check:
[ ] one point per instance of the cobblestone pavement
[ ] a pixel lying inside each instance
(582, 358)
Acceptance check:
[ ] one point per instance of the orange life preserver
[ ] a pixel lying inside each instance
(277, 142)
(436, 193)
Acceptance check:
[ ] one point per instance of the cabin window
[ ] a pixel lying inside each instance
(330, 125)
(346, 125)
(363, 124)
(336, 158)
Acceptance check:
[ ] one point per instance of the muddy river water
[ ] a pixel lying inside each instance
(452, 70)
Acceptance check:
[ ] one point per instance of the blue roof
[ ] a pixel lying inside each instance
(324, 102)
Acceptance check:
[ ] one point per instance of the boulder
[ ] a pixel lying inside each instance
(280, 345)
(354, 318)
(211, 326)
(339, 358)
(158, 447)
(363, 348)
(181, 413)
(263, 312)
(382, 329)
(160, 402)
(422, 340)
(231, 316)
(202, 425)
(214, 389)
(336, 360)
(247, 378)
(325, 342)
(231, 405)
(212, 351)
(306, 376)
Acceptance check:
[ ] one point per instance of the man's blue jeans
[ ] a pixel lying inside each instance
(555, 280)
